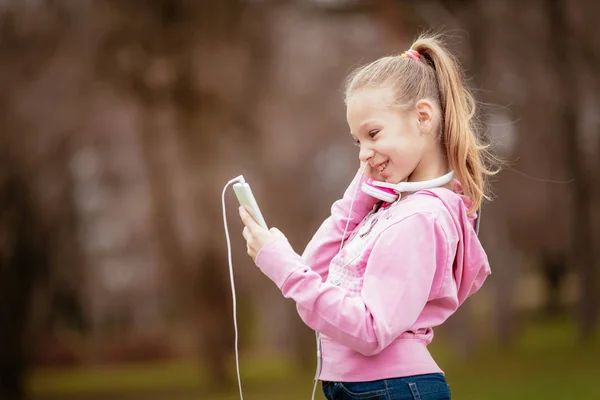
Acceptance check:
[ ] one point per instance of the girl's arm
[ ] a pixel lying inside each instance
(397, 283)
(325, 244)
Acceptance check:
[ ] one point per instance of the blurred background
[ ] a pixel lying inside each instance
(122, 120)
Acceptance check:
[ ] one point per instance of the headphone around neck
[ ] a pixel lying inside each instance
(390, 192)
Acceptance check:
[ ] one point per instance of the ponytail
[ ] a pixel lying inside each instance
(466, 155)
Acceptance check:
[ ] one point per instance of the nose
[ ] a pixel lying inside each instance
(365, 153)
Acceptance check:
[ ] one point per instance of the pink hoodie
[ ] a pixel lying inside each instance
(403, 270)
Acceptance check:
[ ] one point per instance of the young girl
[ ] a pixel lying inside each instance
(378, 276)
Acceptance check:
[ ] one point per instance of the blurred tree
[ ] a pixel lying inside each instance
(568, 72)
(24, 258)
(216, 336)
(193, 105)
(39, 252)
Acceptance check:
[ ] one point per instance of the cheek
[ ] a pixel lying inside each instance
(404, 150)
(406, 155)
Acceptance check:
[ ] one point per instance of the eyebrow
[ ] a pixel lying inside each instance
(367, 122)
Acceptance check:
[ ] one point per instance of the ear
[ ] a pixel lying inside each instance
(425, 113)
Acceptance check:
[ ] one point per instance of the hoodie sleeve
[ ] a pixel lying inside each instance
(397, 283)
(325, 244)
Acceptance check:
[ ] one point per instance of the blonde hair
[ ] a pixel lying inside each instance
(436, 76)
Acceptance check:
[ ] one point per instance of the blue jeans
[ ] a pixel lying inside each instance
(418, 387)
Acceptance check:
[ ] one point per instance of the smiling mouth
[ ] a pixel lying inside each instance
(382, 167)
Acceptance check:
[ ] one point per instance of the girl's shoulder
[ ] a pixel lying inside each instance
(430, 207)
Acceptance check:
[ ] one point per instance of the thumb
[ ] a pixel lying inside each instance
(276, 231)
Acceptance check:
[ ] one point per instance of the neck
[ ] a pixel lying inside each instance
(433, 165)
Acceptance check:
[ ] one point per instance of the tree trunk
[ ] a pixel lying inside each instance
(582, 248)
(22, 256)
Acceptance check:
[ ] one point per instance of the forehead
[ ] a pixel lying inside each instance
(366, 101)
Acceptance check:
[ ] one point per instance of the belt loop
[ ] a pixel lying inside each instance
(387, 390)
(414, 390)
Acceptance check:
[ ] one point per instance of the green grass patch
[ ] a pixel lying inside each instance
(546, 363)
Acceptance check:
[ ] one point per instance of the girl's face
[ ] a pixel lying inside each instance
(393, 141)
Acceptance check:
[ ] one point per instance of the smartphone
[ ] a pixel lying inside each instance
(246, 198)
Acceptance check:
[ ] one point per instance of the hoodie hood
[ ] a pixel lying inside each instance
(471, 266)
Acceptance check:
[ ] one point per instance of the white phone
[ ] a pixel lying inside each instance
(246, 199)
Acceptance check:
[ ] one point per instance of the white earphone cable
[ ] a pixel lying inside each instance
(229, 258)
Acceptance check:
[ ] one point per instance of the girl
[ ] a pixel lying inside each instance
(378, 276)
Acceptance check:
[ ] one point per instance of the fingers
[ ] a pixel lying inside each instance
(247, 219)
(256, 237)
(373, 173)
(367, 170)
(248, 237)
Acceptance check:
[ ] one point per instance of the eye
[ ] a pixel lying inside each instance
(357, 142)
(373, 133)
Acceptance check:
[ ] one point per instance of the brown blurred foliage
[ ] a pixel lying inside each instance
(121, 120)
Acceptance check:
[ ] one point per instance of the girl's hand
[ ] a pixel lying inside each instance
(256, 236)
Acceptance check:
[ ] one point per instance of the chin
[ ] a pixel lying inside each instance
(388, 179)
(393, 179)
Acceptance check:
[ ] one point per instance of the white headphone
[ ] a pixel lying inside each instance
(390, 192)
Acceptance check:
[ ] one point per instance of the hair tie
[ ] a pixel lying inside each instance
(410, 53)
